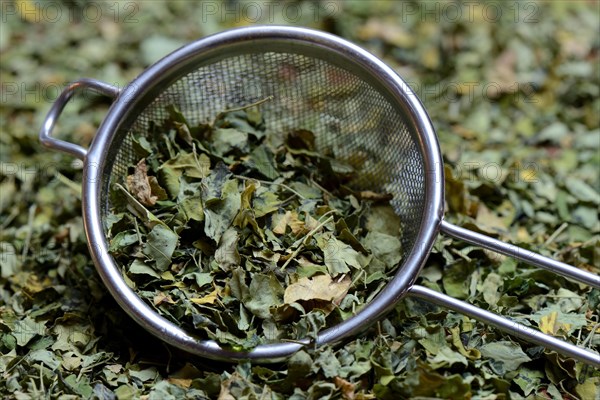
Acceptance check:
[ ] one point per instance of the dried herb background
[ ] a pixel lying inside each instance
(515, 100)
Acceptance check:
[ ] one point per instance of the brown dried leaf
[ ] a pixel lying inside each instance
(373, 196)
(162, 297)
(320, 287)
(139, 184)
(290, 218)
(347, 388)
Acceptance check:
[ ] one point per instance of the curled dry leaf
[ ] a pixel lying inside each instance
(145, 188)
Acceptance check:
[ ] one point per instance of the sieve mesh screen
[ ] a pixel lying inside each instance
(352, 121)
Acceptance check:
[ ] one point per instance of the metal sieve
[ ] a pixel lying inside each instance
(360, 111)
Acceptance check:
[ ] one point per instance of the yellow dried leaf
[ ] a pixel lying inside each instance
(471, 353)
(374, 196)
(209, 298)
(35, 284)
(523, 235)
(388, 30)
(184, 383)
(550, 324)
(279, 223)
(167, 276)
(114, 368)
(528, 175)
(175, 285)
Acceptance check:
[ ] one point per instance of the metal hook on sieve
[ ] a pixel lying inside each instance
(57, 108)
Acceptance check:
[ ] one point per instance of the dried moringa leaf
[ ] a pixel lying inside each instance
(139, 184)
(160, 245)
(320, 287)
(524, 104)
(244, 235)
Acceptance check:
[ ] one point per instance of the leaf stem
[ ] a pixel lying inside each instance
(140, 211)
(321, 187)
(69, 183)
(557, 232)
(283, 185)
(240, 108)
(306, 238)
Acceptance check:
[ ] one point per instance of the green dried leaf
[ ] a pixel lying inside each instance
(26, 329)
(528, 379)
(447, 357)
(219, 213)
(582, 190)
(48, 358)
(225, 141)
(491, 289)
(385, 247)
(227, 255)
(160, 245)
(262, 159)
(123, 239)
(337, 255)
(138, 267)
(264, 292)
(509, 354)
(265, 203)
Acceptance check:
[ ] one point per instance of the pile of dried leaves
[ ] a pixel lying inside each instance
(513, 90)
(246, 236)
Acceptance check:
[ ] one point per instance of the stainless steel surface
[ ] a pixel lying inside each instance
(524, 255)
(359, 109)
(511, 327)
(60, 103)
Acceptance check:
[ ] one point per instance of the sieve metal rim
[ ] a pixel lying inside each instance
(295, 39)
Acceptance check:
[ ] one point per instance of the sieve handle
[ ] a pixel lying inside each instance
(62, 100)
(521, 254)
(505, 324)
